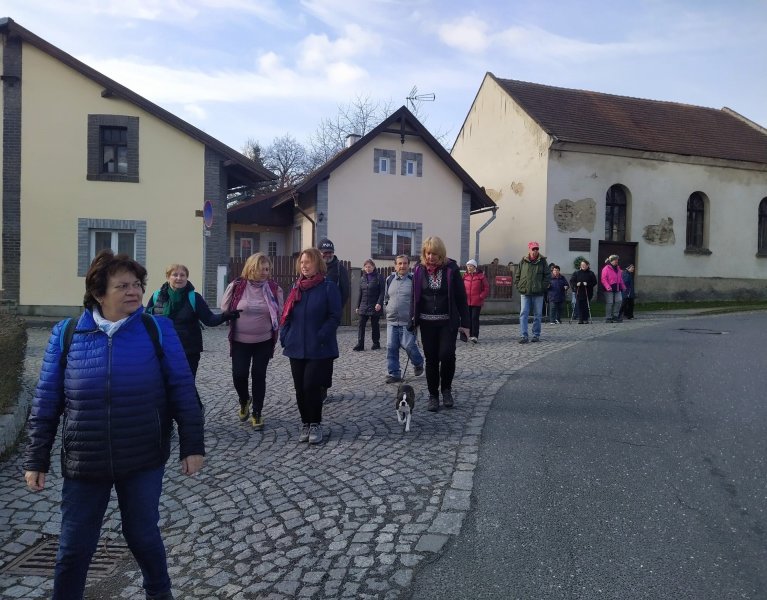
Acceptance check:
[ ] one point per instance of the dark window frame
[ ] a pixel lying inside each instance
(761, 244)
(695, 234)
(97, 125)
(616, 210)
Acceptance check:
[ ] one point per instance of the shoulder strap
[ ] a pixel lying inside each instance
(65, 340)
(155, 333)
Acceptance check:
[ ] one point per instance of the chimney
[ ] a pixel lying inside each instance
(351, 139)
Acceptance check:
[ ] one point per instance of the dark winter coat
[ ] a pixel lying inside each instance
(558, 289)
(371, 293)
(588, 277)
(118, 402)
(310, 330)
(628, 281)
(338, 274)
(186, 319)
(452, 282)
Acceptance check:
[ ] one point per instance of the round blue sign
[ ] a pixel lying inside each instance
(207, 214)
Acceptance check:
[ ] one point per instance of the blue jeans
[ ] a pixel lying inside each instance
(537, 304)
(397, 336)
(83, 504)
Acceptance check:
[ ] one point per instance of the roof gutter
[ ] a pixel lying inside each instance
(308, 218)
(479, 231)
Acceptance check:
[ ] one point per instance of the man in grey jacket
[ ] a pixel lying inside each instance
(397, 300)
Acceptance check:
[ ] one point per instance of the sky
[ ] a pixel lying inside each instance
(259, 69)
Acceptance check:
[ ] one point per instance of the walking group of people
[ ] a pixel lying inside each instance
(121, 375)
(537, 281)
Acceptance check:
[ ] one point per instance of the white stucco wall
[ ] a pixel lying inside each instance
(506, 152)
(660, 189)
(55, 192)
(357, 195)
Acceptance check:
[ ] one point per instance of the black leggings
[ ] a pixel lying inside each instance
(474, 321)
(243, 355)
(438, 341)
(374, 327)
(309, 377)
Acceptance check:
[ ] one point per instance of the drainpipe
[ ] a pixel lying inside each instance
(314, 225)
(490, 220)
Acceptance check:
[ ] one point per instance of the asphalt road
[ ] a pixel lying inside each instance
(630, 466)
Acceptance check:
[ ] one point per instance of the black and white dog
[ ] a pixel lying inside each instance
(405, 404)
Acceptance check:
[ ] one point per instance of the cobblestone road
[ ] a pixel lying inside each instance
(271, 518)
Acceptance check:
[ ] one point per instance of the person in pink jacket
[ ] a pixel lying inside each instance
(613, 286)
(477, 289)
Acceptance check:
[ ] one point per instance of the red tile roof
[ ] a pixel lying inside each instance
(595, 118)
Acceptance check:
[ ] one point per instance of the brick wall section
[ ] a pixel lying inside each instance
(322, 207)
(11, 169)
(215, 245)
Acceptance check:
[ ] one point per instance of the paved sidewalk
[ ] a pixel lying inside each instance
(271, 518)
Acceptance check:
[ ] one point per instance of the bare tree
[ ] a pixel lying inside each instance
(356, 117)
(253, 151)
(287, 158)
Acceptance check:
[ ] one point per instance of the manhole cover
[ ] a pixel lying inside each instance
(701, 331)
(40, 559)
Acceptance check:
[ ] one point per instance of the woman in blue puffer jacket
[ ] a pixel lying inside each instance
(119, 386)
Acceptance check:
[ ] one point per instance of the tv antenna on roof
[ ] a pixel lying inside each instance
(414, 97)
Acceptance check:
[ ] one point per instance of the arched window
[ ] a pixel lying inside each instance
(615, 214)
(762, 244)
(696, 212)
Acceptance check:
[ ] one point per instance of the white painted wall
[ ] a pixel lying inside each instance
(506, 152)
(357, 195)
(660, 189)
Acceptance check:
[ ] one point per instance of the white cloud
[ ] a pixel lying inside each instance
(317, 49)
(468, 34)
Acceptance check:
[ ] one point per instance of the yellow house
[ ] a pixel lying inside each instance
(89, 164)
(380, 196)
(679, 190)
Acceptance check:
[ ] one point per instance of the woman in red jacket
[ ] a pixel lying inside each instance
(477, 289)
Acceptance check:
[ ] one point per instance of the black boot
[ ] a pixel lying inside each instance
(358, 347)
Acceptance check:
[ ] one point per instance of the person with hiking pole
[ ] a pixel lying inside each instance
(583, 283)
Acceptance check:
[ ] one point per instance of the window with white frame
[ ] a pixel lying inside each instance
(122, 236)
(391, 242)
(412, 164)
(119, 241)
(297, 239)
(271, 248)
(384, 161)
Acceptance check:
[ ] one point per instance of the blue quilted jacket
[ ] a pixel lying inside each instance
(117, 402)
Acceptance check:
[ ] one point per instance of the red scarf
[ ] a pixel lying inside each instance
(302, 284)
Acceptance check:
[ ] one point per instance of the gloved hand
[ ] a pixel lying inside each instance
(229, 315)
(580, 283)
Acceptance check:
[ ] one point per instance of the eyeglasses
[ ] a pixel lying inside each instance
(534, 249)
(124, 287)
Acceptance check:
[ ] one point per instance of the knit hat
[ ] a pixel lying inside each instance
(611, 258)
(326, 245)
(471, 262)
(532, 245)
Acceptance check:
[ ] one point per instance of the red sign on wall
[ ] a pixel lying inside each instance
(503, 280)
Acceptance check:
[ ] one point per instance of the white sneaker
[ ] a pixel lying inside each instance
(473, 340)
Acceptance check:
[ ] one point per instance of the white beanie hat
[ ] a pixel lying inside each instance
(471, 262)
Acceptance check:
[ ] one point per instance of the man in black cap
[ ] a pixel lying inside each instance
(337, 273)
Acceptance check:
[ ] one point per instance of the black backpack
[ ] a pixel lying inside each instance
(150, 323)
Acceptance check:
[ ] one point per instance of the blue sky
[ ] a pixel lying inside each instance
(258, 69)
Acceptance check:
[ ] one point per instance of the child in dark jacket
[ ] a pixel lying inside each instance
(557, 294)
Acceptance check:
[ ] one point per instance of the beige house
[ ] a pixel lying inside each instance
(679, 190)
(380, 196)
(88, 164)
